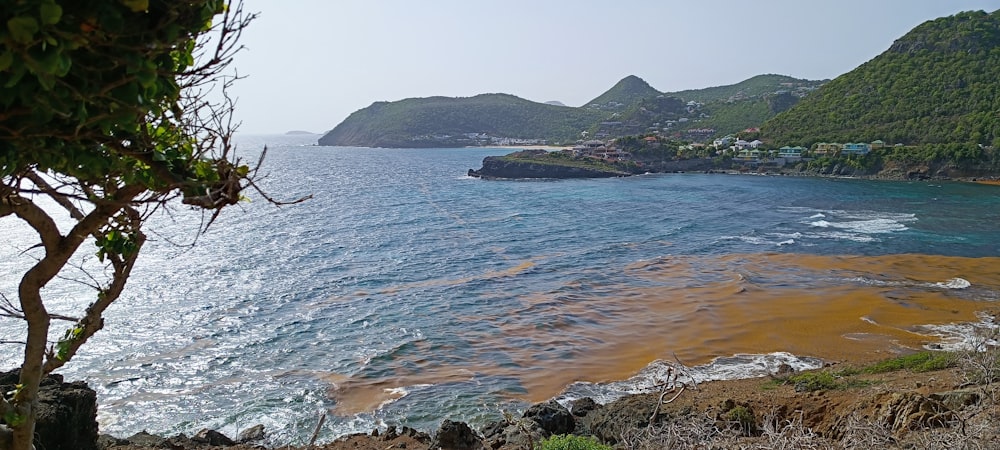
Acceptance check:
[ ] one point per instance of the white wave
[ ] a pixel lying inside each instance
(658, 372)
(975, 336)
(788, 242)
(873, 226)
(840, 235)
(954, 283)
(817, 216)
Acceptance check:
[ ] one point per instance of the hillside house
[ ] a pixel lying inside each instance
(748, 155)
(589, 148)
(791, 152)
(856, 148)
(827, 148)
(722, 142)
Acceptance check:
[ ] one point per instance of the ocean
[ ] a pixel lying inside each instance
(405, 292)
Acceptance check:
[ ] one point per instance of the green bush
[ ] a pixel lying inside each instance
(813, 381)
(917, 362)
(572, 442)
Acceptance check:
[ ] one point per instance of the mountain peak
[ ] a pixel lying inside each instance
(626, 92)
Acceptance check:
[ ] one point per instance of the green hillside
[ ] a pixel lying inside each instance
(938, 84)
(757, 86)
(627, 92)
(631, 107)
(444, 121)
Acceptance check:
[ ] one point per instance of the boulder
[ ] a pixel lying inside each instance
(905, 411)
(252, 434)
(212, 437)
(456, 436)
(144, 439)
(67, 413)
(551, 417)
(622, 416)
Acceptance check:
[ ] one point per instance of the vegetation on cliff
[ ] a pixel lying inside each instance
(937, 84)
(630, 107)
(760, 85)
(445, 121)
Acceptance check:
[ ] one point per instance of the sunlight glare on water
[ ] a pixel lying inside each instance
(405, 292)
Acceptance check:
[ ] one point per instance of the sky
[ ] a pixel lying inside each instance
(311, 63)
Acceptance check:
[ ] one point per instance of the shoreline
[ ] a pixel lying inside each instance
(822, 403)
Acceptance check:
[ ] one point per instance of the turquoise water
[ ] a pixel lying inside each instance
(404, 290)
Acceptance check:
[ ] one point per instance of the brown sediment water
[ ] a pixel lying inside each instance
(696, 308)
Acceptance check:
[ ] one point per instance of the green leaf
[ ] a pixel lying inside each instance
(22, 29)
(6, 59)
(136, 5)
(51, 13)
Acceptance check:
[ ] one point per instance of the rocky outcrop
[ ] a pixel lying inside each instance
(67, 413)
(499, 167)
(456, 436)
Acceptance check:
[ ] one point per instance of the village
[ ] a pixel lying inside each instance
(740, 151)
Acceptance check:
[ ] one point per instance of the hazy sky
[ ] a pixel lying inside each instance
(311, 63)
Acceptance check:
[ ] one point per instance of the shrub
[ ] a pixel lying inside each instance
(572, 442)
(917, 362)
(813, 381)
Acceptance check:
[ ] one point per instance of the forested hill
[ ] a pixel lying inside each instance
(940, 83)
(631, 107)
(446, 121)
(760, 85)
(630, 90)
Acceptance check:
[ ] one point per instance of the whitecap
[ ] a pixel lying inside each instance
(653, 376)
(954, 283)
(820, 224)
(975, 336)
(788, 242)
(817, 216)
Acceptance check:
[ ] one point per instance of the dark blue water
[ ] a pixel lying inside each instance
(405, 292)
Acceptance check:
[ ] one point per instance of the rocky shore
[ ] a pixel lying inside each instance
(891, 406)
(540, 164)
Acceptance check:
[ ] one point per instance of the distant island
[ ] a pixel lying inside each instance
(298, 133)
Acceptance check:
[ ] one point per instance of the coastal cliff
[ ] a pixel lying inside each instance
(528, 164)
(506, 167)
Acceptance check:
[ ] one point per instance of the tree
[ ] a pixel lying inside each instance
(107, 116)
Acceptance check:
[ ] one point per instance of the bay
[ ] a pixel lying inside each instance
(405, 292)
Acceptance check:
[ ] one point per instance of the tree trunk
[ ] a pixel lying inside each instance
(26, 399)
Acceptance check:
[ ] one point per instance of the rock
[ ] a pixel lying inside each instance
(497, 167)
(956, 400)
(522, 434)
(252, 434)
(584, 406)
(623, 415)
(144, 439)
(6, 437)
(212, 437)
(107, 441)
(911, 411)
(784, 370)
(67, 413)
(456, 436)
(551, 417)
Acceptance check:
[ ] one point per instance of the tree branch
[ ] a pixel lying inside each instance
(93, 319)
(35, 216)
